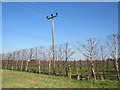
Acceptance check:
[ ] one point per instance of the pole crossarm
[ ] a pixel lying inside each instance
(52, 16)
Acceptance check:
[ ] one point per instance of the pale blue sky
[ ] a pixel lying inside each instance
(25, 24)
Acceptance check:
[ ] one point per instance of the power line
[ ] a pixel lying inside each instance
(36, 9)
(43, 8)
(24, 8)
(30, 5)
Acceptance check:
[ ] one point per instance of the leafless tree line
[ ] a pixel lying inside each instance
(92, 50)
(62, 52)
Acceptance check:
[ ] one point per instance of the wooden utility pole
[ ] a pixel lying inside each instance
(53, 50)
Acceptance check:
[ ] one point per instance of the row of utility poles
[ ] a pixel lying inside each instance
(53, 50)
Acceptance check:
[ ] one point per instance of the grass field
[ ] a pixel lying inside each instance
(16, 79)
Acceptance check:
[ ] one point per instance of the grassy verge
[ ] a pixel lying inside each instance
(16, 79)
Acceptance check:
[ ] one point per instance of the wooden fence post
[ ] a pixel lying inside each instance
(102, 77)
(69, 71)
(78, 76)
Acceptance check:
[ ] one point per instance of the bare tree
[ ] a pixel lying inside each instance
(23, 58)
(59, 52)
(89, 50)
(68, 52)
(61, 55)
(103, 57)
(103, 54)
(113, 49)
(41, 56)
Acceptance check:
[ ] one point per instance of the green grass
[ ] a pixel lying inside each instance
(16, 79)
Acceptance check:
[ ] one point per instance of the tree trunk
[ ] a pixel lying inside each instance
(21, 65)
(6, 64)
(93, 71)
(27, 65)
(117, 69)
(16, 64)
(49, 66)
(39, 67)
